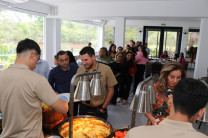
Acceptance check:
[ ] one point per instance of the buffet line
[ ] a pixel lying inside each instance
(85, 126)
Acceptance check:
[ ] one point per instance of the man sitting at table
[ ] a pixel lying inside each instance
(188, 103)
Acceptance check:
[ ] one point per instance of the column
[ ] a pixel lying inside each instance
(101, 35)
(52, 39)
(201, 63)
(120, 26)
(184, 41)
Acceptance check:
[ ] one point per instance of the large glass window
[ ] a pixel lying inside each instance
(75, 36)
(131, 33)
(15, 26)
(162, 39)
(109, 35)
(193, 38)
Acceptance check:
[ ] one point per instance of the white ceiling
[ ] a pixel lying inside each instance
(59, 2)
(175, 10)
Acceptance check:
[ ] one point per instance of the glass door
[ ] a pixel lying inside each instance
(171, 38)
(153, 41)
(162, 39)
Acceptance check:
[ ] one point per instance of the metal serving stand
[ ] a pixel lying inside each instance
(71, 105)
(148, 81)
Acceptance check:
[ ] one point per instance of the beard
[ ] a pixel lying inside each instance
(89, 67)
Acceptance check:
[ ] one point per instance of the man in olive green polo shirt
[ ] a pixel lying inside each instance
(22, 92)
(98, 105)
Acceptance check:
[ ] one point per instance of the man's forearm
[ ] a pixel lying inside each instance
(108, 97)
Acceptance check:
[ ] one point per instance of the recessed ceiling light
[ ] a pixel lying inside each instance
(20, 1)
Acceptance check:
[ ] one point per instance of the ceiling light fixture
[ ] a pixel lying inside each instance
(20, 1)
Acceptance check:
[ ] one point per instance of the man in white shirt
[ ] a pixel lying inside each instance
(187, 104)
(42, 68)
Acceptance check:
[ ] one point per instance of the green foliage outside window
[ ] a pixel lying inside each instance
(75, 36)
(14, 27)
(108, 36)
(131, 33)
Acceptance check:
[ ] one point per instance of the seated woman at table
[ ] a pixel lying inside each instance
(171, 73)
(182, 59)
(164, 56)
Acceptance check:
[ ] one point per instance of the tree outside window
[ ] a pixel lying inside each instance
(75, 36)
(16, 26)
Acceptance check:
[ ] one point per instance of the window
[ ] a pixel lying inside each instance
(193, 38)
(109, 35)
(75, 36)
(15, 26)
(131, 33)
(162, 39)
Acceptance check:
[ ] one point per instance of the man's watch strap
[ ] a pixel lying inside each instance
(104, 109)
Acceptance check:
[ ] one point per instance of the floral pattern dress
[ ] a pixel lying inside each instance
(160, 109)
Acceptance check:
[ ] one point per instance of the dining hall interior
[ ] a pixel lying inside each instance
(175, 26)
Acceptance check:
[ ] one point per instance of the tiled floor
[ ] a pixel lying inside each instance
(120, 115)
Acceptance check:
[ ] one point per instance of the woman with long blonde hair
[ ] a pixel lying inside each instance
(170, 74)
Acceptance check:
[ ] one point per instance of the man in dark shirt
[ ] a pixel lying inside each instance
(60, 76)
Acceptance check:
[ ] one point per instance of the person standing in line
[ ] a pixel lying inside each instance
(112, 52)
(128, 71)
(182, 59)
(98, 105)
(21, 93)
(103, 56)
(141, 59)
(117, 68)
(55, 61)
(90, 44)
(60, 76)
(42, 68)
(147, 49)
(110, 43)
(71, 58)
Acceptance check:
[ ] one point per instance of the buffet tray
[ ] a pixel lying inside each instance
(88, 116)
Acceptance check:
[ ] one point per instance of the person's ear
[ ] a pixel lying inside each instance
(93, 57)
(200, 113)
(170, 100)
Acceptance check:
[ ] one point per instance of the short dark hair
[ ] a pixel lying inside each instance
(55, 56)
(105, 50)
(27, 44)
(120, 47)
(61, 52)
(87, 50)
(189, 96)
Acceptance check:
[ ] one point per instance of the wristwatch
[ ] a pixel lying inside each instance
(104, 109)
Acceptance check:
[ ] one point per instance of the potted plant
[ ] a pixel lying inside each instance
(192, 53)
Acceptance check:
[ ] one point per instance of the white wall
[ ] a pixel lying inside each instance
(133, 9)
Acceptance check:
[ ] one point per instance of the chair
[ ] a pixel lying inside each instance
(186, 65)
(156, 68)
